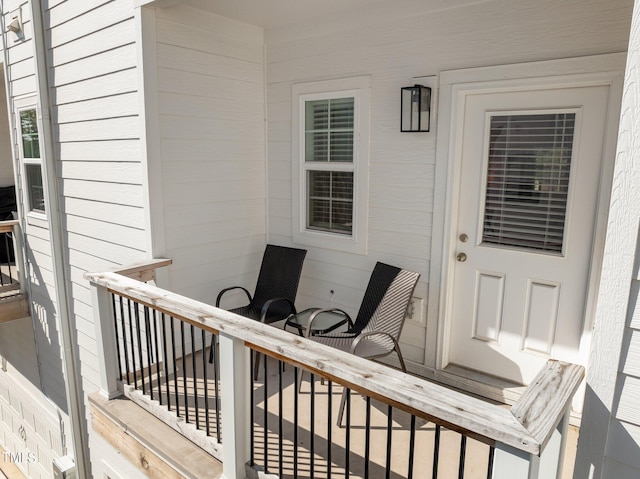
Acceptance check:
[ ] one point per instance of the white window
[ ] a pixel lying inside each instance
(32, 161)
(330, 163)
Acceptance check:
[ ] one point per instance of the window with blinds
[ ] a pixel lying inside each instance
(329, 164)
(528, 180)
(30, 149)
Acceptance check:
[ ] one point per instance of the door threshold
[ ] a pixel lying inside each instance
(485, 385)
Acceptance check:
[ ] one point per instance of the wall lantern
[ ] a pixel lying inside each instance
(415, 108)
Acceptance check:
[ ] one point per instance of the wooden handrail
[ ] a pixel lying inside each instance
(550, 392)
(143, 271)
(543, 403)
(7, 226)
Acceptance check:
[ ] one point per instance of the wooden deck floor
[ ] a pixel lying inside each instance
(338, 446)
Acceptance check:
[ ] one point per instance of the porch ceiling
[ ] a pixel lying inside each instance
(279, 13)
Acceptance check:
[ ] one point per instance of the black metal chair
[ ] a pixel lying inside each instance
(376, 330)
(276, 289)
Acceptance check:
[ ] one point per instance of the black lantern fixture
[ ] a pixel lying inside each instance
(415, 108)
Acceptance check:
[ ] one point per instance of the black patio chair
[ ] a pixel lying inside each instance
(376, 330)
(275, 293)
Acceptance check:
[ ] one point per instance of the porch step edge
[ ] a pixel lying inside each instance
(152, 446)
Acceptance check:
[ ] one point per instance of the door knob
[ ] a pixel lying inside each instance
(462, 257)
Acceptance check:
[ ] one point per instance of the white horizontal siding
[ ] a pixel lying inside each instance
(98, 109)
(125, 215)
(100, 41)
(107, 85)
(93, 64)
(211, 107)
(6, 157)
(45, 370)
(118, 150)
(105, 63)
(395, 47)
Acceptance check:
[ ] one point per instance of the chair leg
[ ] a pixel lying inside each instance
(343, 402)
(401, 359)
(300, 373)
(213, 347)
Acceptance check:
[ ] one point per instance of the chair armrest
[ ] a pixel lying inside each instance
(229, 289)
(316, 313)
(270, 302)
(362, 336)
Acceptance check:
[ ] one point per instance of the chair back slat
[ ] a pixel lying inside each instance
(381, 279)
(279, 277)
(392, 309)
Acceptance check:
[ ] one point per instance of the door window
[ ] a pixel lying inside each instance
(529, 162)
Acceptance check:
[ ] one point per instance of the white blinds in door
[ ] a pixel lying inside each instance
(528, 180)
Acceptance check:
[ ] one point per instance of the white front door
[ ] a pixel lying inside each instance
(529, 175)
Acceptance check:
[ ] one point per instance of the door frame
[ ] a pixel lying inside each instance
(454, 87)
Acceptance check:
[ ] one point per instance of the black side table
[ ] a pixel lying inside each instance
(323, 323)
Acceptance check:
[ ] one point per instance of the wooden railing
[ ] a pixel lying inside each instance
(525, 441)
(14, 303)
(11, 254)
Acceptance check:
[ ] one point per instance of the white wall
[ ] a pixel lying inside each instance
(211, 134)
(93, 83)
(33, 394)
(609, 444)
(394, 48)
(6, 157)
(94, 92)
(22, 89)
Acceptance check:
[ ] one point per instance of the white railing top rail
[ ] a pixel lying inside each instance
(527, 426)
(7, 225)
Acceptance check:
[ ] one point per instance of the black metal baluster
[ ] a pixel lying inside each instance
(347, 447)
(195, 376)
(184, 373)
(295, 423)
(252, 434)
(136, 310)
(389, 435)
(312, 428)
(163, 319)
(155, 342)
(280, 420)
(175, 365)
(367, 438)
(147, 326)
(205, 381)
(436, 452)
(124, 341)
(133, 351)
(412, 446)
(492, 452)
(6, 248)
(329, 427)
(463, 453)
(266, 408)
(115, 325)
(216, 365)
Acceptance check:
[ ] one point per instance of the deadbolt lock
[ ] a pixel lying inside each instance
(464, 237)
(462, 257)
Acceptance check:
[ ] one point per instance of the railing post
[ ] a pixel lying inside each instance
(103, 317)
(511, 463)
(553, 453)
(235, 379)
(18, 247)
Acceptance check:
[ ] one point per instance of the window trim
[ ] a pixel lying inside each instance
(31, 213)
(359, 88)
